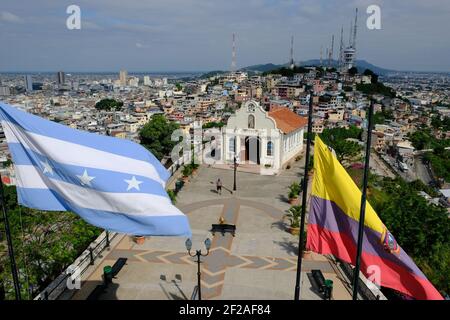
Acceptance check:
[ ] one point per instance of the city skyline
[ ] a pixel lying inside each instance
(191, 36)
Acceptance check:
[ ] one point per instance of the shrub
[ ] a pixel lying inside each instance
(294, 215)
(187, 171)
(294, 190)
(172, 195)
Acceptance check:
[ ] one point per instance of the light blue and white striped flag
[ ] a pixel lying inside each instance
(111, 183)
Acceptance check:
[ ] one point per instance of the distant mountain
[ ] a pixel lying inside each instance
(212, 74)
(360, 64)
(262, 67)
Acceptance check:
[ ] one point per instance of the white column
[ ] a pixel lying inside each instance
(237, 146)
(263, 150)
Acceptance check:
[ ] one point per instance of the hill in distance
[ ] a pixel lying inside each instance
(360, 64)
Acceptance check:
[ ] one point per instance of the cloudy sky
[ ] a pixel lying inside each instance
(193, 35)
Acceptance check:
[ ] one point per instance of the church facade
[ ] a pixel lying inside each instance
(264, 139)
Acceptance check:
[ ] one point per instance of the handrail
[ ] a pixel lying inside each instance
(194, 295)
(363, 290)
(55, 289)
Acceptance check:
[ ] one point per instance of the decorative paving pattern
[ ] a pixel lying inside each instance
(220, 257)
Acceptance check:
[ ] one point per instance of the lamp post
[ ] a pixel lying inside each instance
(199, 254)
(235, 169)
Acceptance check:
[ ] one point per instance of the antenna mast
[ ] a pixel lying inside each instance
(321, 55)
(341, 49)
(292, 64)
(331, 54)
(354, 32)
(233, 55)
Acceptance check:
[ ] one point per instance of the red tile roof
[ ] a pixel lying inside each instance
(286, 120)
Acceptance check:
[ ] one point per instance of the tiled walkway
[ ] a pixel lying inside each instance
(258, 263)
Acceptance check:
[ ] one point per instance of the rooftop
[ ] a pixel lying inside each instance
(286, 120)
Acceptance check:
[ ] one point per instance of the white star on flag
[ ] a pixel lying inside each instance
(133, 183)
(47, 167)
(85, 178)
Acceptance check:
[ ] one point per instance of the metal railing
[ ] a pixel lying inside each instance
(186, 158)
(363, 290)
(55, 289)
(194, 295)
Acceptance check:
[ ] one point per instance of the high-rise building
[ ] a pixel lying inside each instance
(60, 78)
(4, 91)
(134, 82)
(147, 81)
(28, 83)
(123, 77)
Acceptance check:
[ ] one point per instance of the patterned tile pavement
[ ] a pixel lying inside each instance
(259, 263)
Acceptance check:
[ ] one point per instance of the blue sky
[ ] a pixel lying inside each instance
(191, 35)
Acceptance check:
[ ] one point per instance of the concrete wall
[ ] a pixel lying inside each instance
(292, 144)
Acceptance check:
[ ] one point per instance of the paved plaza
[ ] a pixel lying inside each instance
(258, 263)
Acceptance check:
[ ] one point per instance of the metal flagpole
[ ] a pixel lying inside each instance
(10, 244)
(362, 212)
(305, 191)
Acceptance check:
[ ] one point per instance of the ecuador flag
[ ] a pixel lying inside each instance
(333, 229)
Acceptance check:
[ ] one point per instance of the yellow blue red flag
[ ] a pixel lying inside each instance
(333, 229)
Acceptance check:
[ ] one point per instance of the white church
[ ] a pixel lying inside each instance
(264, 140)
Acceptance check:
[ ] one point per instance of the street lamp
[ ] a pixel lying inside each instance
(199, 254)
(235, 167)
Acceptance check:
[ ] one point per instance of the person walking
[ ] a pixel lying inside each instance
(219, 186)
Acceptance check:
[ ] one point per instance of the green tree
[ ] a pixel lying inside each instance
(336, 138)
(213, 125)
(45, 243)
(353, 71)
(376, 88)
(420, 228)
(382, 116)
(436, 122)
(373, 75)
(425, 139)
(109, 104)
(156, 135)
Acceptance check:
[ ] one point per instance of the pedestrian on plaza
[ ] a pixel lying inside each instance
(219, 186)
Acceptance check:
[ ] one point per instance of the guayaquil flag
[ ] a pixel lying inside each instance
(333, 229)
(111, 183)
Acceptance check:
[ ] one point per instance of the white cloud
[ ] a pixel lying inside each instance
(90, 25)
(141, 45)
(6, 16)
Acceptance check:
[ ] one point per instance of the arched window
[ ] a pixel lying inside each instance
(270, 148)
(232, 144)
(251, 121)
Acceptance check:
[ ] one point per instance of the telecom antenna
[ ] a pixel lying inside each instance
(292, 64)
(233, 55)
(321, 54)
(330, 57)
(327, 55)
(341, 49)
(350, 44)
(354, 30)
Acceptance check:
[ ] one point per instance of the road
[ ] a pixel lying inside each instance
(421, 170)
(380, 168)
